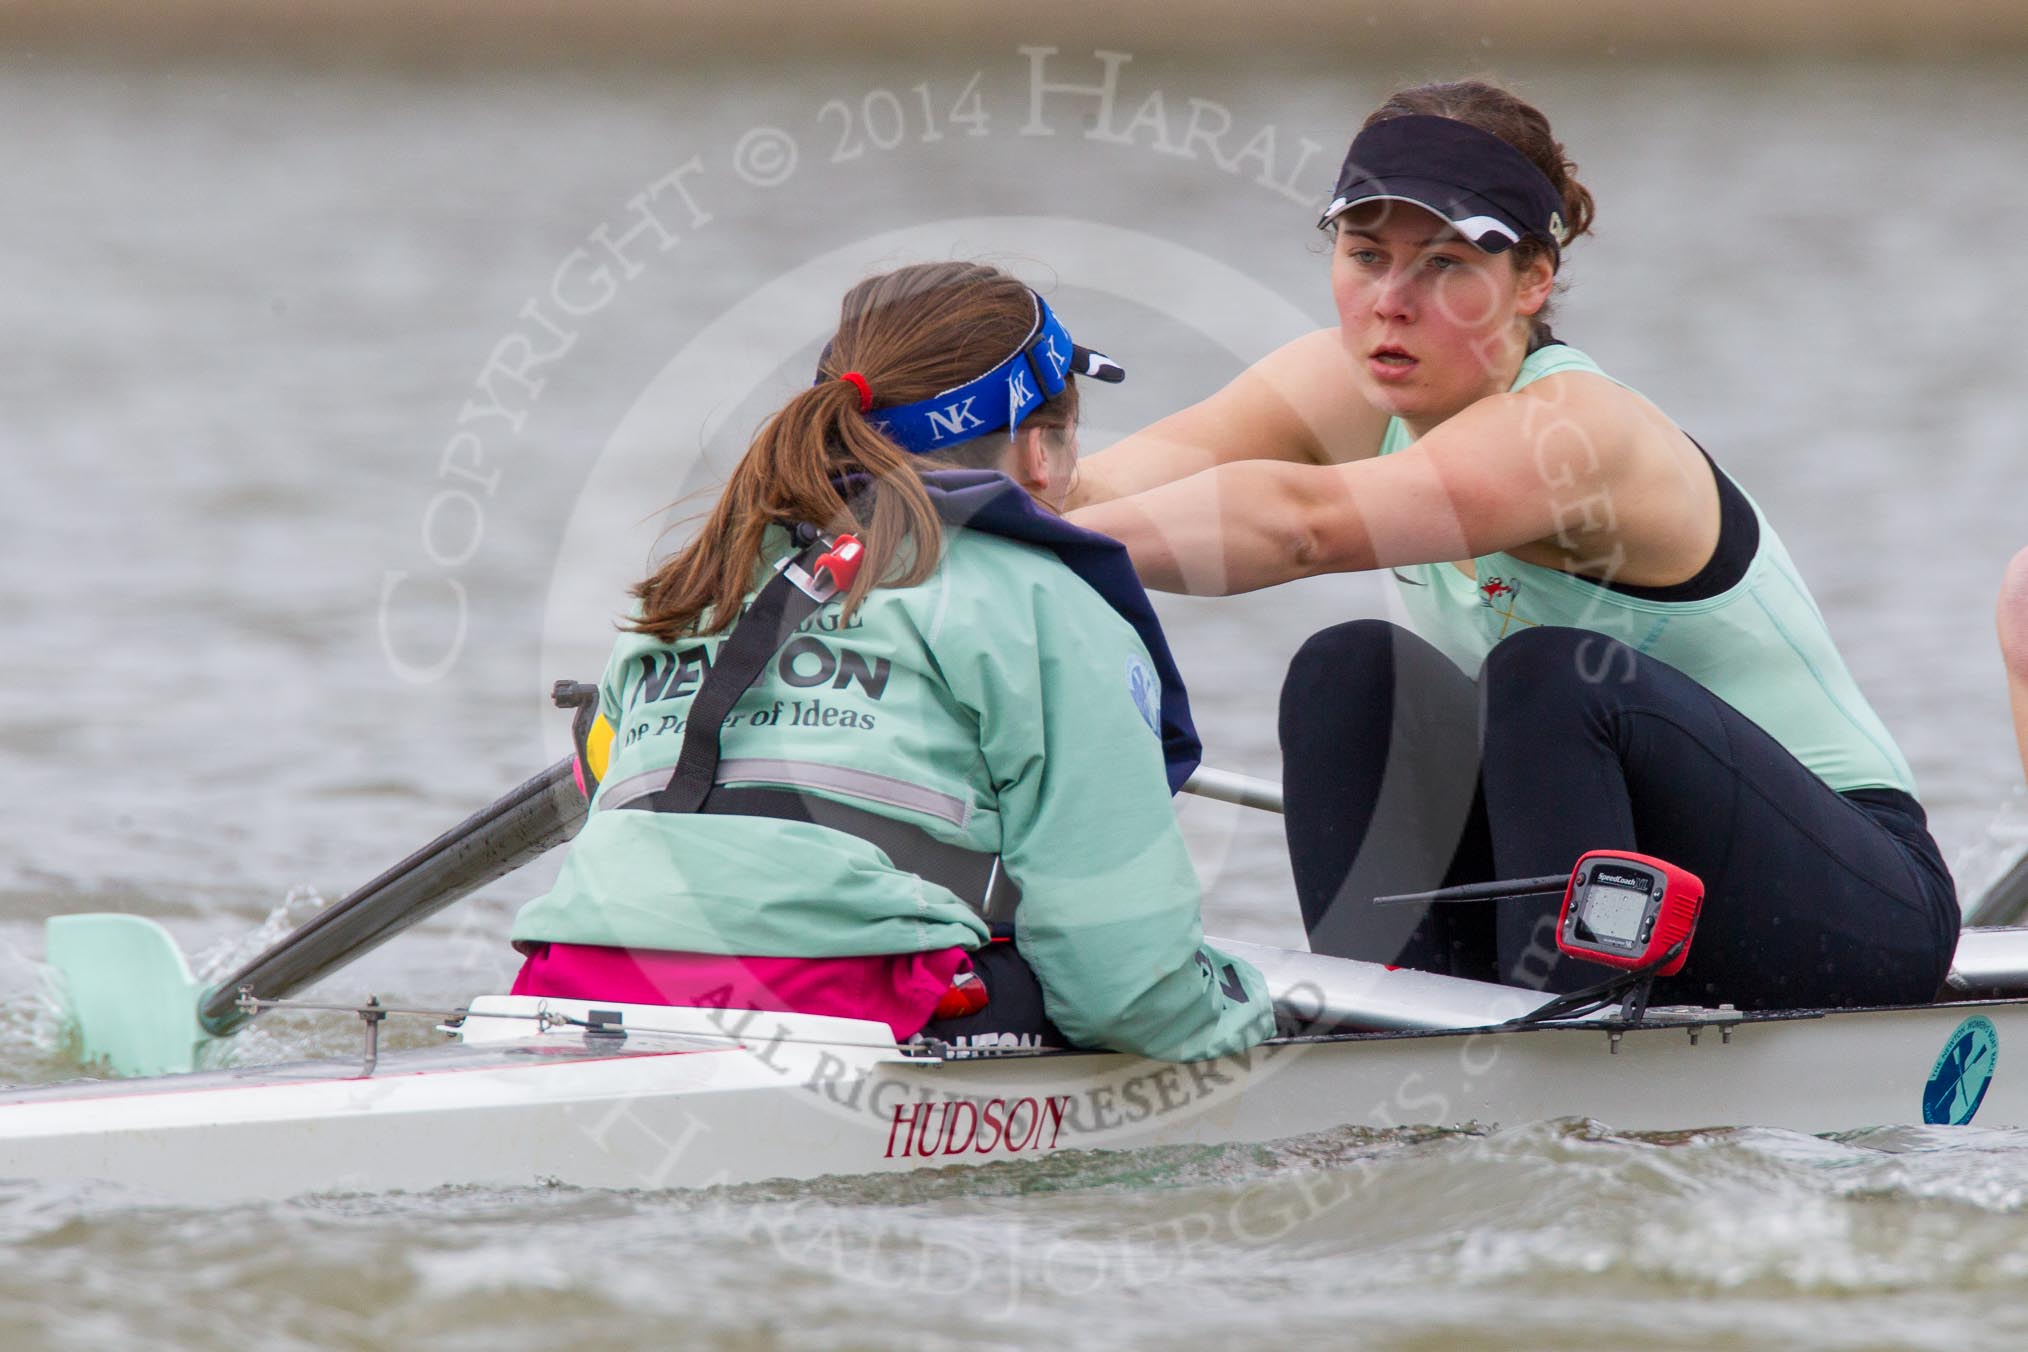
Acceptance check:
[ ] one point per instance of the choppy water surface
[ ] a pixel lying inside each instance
(245, 310)
(1556, 1235)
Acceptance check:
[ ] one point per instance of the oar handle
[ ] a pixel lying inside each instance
(491, 843)
(1228, 787)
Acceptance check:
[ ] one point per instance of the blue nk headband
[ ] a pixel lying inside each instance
(1001, 398)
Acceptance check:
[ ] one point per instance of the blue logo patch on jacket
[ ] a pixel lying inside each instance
(1146, 689)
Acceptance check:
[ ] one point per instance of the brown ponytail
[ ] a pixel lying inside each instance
(1478, 103)
(911, 333)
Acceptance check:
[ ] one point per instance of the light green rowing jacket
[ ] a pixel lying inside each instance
(1001, 705)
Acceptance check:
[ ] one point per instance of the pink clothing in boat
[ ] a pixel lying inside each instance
(898, 989)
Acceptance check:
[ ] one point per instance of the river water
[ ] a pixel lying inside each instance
(337, 407)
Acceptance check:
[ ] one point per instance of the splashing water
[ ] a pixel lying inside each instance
(1995, 850)
(230, 954)
(46, 1023)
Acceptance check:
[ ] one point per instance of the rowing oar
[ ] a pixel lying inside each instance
(1227, 787)
(137, 1008)
(2005, 901)
(2002, 904)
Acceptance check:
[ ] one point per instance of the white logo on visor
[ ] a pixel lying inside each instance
(1018, 395)
(955, 419)
(1057, 361)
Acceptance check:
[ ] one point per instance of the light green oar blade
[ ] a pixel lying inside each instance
(130, 993)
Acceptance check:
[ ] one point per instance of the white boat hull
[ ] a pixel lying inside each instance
(694, 1098)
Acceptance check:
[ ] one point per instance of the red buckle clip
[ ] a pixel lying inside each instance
(841, 562)
(965, 996)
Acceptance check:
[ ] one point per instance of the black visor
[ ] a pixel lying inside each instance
(1097, 365)
(1488, 191)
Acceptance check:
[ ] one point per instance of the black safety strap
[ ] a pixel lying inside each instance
(973, 875)
(790, 597)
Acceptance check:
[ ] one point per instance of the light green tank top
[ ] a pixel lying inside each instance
(1761, 646)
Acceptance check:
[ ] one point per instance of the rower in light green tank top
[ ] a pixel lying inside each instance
(1761, 646)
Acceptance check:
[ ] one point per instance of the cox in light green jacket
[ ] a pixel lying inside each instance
(1002, 705)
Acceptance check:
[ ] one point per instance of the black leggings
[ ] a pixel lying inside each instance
(1402, 774)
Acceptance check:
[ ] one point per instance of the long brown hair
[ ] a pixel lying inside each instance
(1502, 113)
(912, 333)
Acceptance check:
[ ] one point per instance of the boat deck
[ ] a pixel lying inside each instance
(454, 1058)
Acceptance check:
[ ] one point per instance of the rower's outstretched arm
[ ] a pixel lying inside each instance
(1512, 469)
(2013, 622)
(1296, 405)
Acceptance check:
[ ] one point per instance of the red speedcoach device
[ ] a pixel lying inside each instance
(1629, 910)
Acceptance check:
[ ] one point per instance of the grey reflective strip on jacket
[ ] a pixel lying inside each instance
(872, 788)
(1001, 896)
